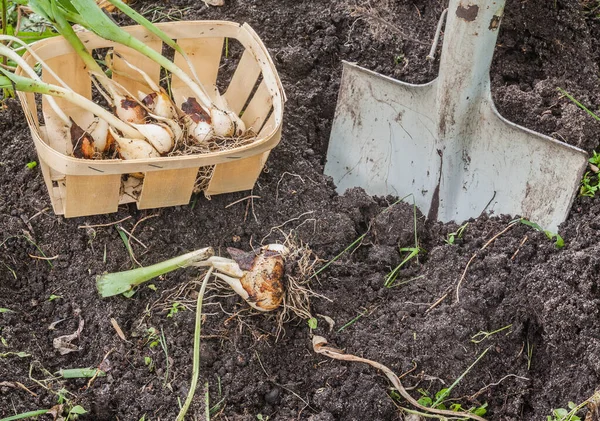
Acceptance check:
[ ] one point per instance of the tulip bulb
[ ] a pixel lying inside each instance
(258, 279)
(226, 123)
(158, 135)
(197, 121)
(159, 104)
(134, 148)
(129, 110)
(99, 131)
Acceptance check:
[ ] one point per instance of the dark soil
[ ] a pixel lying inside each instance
(550, 296)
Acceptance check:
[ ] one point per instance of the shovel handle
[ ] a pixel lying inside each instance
(469, 42)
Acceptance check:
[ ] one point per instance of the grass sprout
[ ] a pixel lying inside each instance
(443, 394)
(482, 335)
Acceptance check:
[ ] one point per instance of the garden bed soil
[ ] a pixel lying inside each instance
(549, 296)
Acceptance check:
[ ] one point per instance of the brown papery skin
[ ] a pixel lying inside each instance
(193, 109)
(83, 143)
(264, 282)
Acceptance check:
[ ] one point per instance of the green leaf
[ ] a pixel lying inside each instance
(312, 323)
(561, 413)
(31, 165)
(425, 401)
(6, 310)
(456, 407)
(78, 409)
(441, 394)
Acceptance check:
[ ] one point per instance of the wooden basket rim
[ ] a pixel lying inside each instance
(69, 165)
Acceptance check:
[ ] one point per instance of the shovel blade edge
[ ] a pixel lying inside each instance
(383, 137)
(386, 138)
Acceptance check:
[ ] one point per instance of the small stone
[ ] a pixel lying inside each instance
(272, 397)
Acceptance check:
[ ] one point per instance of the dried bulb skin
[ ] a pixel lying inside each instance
(129, 110)
(82, 141)
(198, 121)
(263, 281)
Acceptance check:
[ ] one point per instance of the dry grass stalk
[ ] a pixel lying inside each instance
(320, 347)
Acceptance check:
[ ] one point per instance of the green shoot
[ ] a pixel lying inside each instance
(441, 396)
(117, 283)
(453, 236)
(54, 297)
(393, 275)
(206, 402)
(347, 249)
(482, 335)
(141, 20)
(358, 241)
(579, 104)
(529, 354)
(26, 415)
(163, 344)
(351, 322)
(94, 19)
(6, 310)
(413, 252)
(19, 354)
(312, 323)
(80, 373)
(31, 165)
(558, 240)
(196, 353)
(127, 243)
(11, 270)
(175, 308)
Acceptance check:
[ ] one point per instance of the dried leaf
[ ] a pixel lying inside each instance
(63, 343)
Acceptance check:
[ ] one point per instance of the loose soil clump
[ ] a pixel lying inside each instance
(549, 296)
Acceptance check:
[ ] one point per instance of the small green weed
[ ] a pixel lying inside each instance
(429, 401)
(559, 242)
(453, 236)
(31, 165)
(529, 354)
(176, 307)
(482, 335)
(312, 323)
(413, 252)
(149, 362)
(562, 414)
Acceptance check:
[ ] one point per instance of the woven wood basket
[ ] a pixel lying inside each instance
(79, 187)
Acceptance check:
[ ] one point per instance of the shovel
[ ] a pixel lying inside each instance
(444, 142)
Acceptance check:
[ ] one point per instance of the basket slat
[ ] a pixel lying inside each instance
(226, 177)
(243, 81)
(167, 188)
(258, 109)
(81, 187)
(91, 195)
(205, 55)
(67, 67)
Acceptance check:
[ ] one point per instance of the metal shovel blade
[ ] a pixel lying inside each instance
(444, 142)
